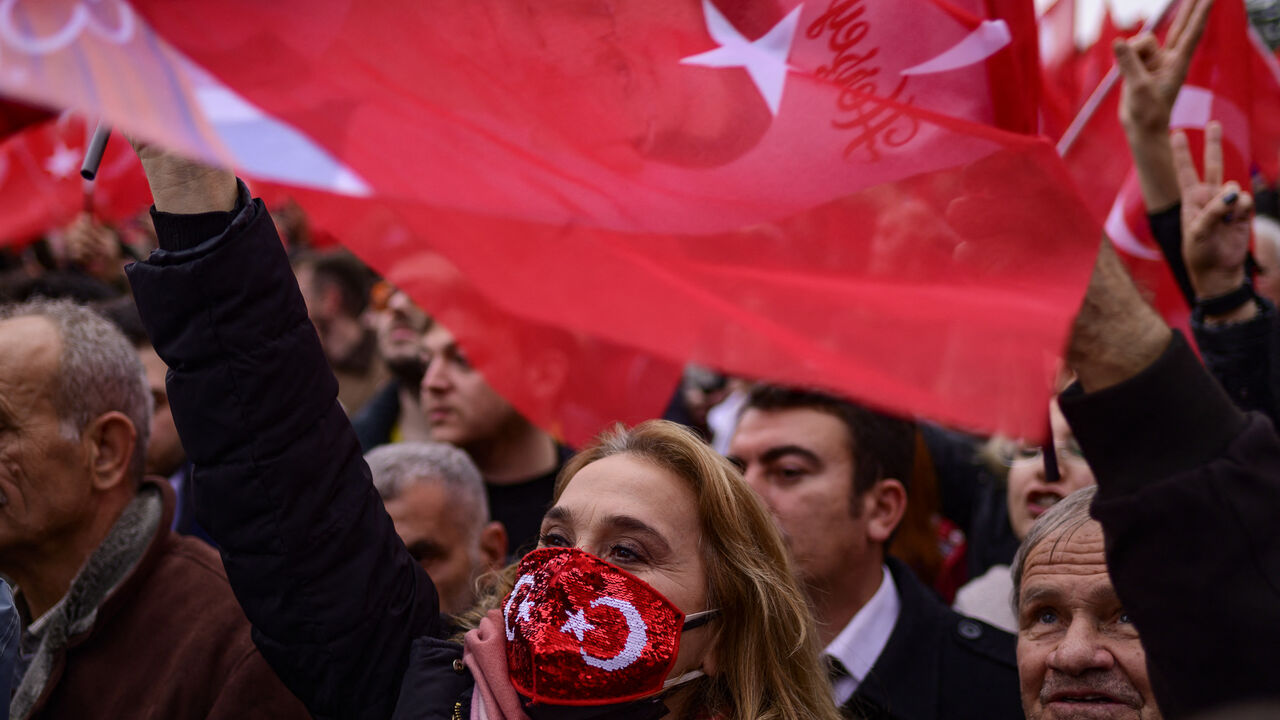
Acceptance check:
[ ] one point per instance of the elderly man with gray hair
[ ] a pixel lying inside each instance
(436, 499)
(120, 617)
(1079, 655)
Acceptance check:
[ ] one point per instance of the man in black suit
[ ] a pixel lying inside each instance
(832, 474)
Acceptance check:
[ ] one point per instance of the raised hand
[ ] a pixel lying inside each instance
(1215, 218)
(183, 186)
(1153, 76)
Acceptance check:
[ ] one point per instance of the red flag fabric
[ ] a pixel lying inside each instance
(1059, 68)
(40, 184)
(1229, 81)
(780, 190)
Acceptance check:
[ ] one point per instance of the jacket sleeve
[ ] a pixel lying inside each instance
(1188, 496)
(334, 598)
(1244, 357)
(1166, 228)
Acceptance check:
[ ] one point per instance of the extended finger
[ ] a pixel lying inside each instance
(1179, 24)
(1185, 42)
(1213, 154)
(1188, 177)
(1216, 211)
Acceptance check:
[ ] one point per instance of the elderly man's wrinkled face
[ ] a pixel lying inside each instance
(1079, 657)
(45, 480)
(445, 540)
(642, 518)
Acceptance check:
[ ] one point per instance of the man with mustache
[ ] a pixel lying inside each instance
(1079, 655)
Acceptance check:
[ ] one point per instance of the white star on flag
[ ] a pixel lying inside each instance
(577, 624)
(63, 163)
(523, 610)
(765, 60)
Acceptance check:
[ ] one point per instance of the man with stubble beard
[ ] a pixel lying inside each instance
(518, 460)
(395, 414)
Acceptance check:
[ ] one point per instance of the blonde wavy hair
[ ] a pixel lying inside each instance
(765, 641)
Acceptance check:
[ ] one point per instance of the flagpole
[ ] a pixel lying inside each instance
(93, 152)
(1100, 93)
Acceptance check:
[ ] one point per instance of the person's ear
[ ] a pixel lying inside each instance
(110, 441)
(493, 546)
(883, 507)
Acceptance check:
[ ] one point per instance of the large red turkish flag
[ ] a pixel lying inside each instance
(591, 193)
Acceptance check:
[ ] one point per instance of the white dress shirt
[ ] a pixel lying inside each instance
(860, 643)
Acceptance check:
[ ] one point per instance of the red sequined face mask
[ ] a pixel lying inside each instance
(583, 632)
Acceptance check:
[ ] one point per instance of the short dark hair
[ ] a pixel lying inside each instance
(880, 445)
(340, 269)
(123, 313)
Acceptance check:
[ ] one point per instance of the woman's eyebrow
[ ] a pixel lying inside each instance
(559, 514)
(626, 522)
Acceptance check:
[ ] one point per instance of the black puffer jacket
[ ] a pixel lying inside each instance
(338, 606)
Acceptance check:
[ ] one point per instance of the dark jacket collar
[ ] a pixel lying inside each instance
(904, 680)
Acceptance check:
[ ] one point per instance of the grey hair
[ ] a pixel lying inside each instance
(1065, 517)
(98, 372)
(397, 466)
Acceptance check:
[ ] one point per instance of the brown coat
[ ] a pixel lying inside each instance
(169, 643)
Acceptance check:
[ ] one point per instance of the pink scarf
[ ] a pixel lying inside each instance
(484, 650)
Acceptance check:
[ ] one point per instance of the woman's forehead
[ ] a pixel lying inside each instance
(626, 486)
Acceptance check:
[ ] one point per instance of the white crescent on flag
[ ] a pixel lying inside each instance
(523, 609)
(637, 636)
(989, 38)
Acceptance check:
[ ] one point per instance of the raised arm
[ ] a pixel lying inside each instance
(334, 598)
(1235, 329)
(1189, 490)
(1153, 77)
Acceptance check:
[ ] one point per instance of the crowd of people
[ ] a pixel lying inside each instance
(245, 477)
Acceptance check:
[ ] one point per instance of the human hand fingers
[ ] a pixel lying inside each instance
(1194, 15)
(1222, 208)
(1213, 154)
(1128, 61)
(1188, 176)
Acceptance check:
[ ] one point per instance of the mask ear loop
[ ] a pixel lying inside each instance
(691, 622)
(698, 619)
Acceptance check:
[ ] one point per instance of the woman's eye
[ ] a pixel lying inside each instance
(1027, 452)
(625, 554)
(552, 539)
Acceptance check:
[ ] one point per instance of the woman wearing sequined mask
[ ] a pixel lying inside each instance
(661, 586)
(660, 583)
